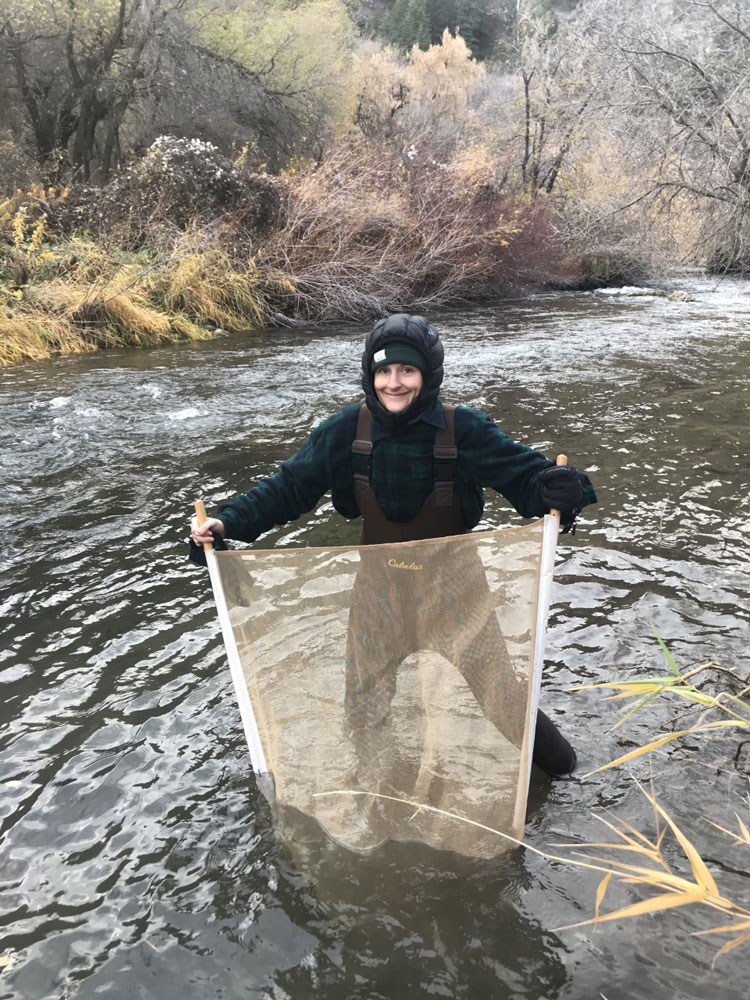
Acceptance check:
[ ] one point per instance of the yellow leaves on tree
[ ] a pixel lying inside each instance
(85, 22)
(444, 75)
(431, 87)
(378, 89)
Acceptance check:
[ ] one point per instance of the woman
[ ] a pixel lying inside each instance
(412, 468)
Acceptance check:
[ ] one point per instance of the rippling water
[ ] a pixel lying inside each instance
(139, 859)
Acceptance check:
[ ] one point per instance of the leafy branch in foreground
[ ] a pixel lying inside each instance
(646, 866)
(733, 711)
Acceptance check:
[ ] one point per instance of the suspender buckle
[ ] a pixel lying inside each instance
(361, 454)
(445, 456)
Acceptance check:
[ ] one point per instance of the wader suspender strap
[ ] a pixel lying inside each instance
(362, 449)
(444, 453)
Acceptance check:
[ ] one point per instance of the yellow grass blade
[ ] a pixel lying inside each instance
(660, 742)
(723, 829)
(635, 848)
(731, 944)
(590, 846)
(639, 751)
(620, 833)
(625, 685)
(693, 694)
(665, 901)
(742, 838)
(740, 925)
(600, 891)
(702, 875)
(651, 689)
(646, 847)
(647, 876)
(744, 830)
(636, 833)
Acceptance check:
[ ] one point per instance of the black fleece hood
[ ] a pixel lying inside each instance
(419, 334)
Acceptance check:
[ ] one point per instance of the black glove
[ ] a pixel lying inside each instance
(560, 489)
(197, 553)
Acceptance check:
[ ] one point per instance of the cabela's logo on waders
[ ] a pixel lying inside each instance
(404, 565)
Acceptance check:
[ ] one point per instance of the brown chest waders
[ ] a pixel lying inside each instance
(440, 514)
(466, 635)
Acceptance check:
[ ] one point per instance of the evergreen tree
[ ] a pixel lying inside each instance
(422, 22)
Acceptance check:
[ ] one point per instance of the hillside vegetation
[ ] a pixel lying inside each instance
(173, 167)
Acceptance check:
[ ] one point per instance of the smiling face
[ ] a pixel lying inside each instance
(397, 385)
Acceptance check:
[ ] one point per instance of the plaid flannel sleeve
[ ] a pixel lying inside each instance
(296, 488)
(490, 457)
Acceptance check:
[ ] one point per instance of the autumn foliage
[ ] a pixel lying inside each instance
(183, 166)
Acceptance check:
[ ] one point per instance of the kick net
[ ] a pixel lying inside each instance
(391, 690)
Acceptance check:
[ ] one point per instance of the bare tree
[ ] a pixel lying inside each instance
(676, 74)
(556, 97)
(76, 67)
(92, 79)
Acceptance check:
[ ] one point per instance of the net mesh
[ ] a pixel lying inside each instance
(392, 684)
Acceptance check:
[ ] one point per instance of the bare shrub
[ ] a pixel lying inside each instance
(17, 168)
(373, 229)
(177, 183)
(670, 81)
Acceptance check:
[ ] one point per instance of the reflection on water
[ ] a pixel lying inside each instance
(139, 858)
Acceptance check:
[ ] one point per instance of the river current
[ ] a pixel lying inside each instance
(137, 856)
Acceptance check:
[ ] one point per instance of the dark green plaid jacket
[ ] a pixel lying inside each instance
(402, 472)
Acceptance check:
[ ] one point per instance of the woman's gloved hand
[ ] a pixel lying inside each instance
(560, 489)
(207, 531)
(212, 530)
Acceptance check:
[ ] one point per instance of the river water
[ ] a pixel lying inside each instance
(138, 857)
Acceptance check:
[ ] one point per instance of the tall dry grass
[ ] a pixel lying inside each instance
(208, 286)
(648, 865)
(79, 297)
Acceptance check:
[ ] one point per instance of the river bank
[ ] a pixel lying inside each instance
(142, 299)
(167, 252)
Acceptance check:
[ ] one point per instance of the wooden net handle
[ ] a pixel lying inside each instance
(202, 517)
(561, 460)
